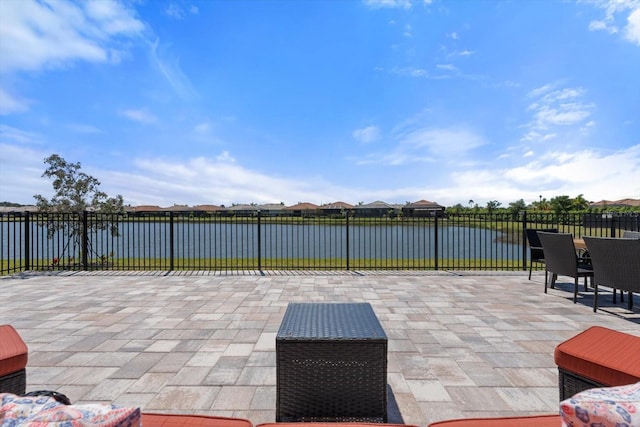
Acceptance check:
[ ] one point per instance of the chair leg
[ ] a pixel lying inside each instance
(530, 267)
(554, 276)
(630, 301)
(575, 290)
(595, 297)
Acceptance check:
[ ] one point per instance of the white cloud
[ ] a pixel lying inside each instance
(11, 134)
(367, 135)
(140, 116)
(597, 25)
(202, 128)
(441, 142)
(53, 33)
(554, 173)
(21, 168)
(174, 11)
(632, 30)
(426, 145)
(552, 108)
(222, 180)
(10, 104)
(182, 182)
(619, 13)
(171, 71)
(408, 31)
(379, 4)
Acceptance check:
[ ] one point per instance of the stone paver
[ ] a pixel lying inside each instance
(460, 344)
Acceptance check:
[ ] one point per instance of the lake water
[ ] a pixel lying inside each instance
(240, 240)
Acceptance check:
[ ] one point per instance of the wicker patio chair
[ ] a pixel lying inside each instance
(536, 254)
(561, 260)
(616, 264)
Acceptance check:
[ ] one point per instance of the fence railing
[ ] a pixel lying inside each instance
(209, 241)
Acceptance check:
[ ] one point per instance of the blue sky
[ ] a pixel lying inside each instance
(232, 101)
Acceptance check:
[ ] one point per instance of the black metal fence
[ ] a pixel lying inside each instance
(208, 241)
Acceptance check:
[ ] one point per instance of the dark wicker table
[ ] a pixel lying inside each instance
(331, 363)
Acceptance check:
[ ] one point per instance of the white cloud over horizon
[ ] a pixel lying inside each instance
(222, 181)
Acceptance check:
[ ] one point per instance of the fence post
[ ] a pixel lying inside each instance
(27, 241)
(85, 240)
(171, 242)
(435, 243)
(347, 239)
(612, 230)
(524, 241)
(259, 242)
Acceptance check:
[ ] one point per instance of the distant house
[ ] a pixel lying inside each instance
(242, 209)
(616, 203)
(377, 209)
(177, 208)
(271, 209)
(335, 208)
(144, 208)
(208, 209)
(423, 208)
(302, 209)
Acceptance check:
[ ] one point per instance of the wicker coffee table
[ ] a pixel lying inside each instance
(331, 362)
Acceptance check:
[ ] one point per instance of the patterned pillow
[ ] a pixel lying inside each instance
(45, 410)
(603, 407)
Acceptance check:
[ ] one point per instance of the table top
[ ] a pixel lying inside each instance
(579, 244)
(330, 321)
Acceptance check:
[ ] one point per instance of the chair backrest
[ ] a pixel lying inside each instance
(532, 235)
(559, 253)
(631, 234)
(535, 247)
(616, 262)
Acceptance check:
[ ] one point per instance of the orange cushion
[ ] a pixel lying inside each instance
(531, 421)
(13, 351)
(603, 355)
(175, 420)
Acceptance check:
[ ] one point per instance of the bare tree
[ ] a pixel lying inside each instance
(75, 194)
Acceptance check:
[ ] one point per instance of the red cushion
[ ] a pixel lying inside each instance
(603, 355)
(530, 421)
(13, 351)
(176, 420)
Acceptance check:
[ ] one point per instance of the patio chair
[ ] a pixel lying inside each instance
(616, 264)
(536, 254)
(561, 260)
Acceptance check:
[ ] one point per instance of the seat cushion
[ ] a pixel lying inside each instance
(13, 351)
(603, 407)
(46, 411)
(530, 421)
(602, 355)
(176, 420)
